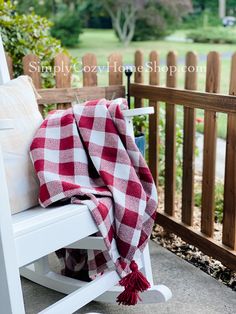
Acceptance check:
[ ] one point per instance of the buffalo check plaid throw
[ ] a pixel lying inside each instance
(84, 154)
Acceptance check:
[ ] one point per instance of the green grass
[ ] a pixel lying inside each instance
(104, 42)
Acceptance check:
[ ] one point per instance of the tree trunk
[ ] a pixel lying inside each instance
(222, 8)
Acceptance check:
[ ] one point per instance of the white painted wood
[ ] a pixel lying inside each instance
(54, 281)
(4, 73)
(90, 243)
(42, 266)
(70, 224)
(11, 299)
(138, 111)
(130, 113)
(156, 294)
(129, 126)
(147, 267)
(6, 124)
(82, 296)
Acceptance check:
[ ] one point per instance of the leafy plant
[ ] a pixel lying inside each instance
(67, 28)
(140, 124)
(206, 18)
(216, 35)
(24, 34)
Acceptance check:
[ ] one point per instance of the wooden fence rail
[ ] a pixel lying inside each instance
(190, 99)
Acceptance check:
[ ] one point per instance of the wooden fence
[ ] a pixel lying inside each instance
(210, 101)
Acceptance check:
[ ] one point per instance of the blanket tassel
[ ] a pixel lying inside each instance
(134, 283)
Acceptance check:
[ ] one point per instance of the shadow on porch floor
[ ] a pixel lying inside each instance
(193, 291)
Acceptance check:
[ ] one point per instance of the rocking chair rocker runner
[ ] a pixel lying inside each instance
(26, 240)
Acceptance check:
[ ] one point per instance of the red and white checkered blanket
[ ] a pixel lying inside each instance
(85, 154)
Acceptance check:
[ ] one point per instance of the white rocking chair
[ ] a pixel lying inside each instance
(26, 240)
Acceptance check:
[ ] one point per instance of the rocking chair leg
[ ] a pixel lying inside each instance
(147, 267)
(156, 294)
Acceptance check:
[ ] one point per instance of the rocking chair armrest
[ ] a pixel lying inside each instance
(138, 112)
(6, 124)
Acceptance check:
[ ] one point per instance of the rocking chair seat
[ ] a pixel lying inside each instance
(39, 231)
(27, 237)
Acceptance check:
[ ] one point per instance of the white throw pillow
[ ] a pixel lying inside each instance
(18, 102)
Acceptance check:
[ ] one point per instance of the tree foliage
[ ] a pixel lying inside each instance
(124, 14)
(142, 19)
(65, 15)
(24, 34)
(159, 18)
(67, 28)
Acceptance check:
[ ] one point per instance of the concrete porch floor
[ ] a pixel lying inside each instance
(193, 291)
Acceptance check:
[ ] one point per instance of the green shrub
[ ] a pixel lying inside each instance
(145, 30)
(160, 18)
(203, 19)
(67, 28)
(216, 35)
(24, 34)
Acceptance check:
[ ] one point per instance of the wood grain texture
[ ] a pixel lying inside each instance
(154, 79)
(206, 244)
(66, 95)
(63, 75)
(138, 75)
(209, 148)
(89, 62)
(192, 99)
(115, 69)
(229, 212)
(189, 144)
(10, 65)
(31, 67)
(170, 140)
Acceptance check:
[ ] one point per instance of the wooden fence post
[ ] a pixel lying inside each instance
(170, 142)
(89, 70)
(138, 75)
(154, 79)
(229, 213)
(31, 66)
(63, 74)
(115, 69)
(189, 144)
(209, 148)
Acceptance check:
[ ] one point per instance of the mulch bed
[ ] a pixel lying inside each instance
(189, 252)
